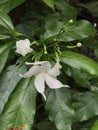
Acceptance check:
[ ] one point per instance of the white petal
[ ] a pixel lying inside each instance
(53, 83)
(24, 52)
(55, 71)
(33, 70)
(23, 47)
(35, 63)
(40, 84)
(22, 42)
(45, 65)
(27, 42)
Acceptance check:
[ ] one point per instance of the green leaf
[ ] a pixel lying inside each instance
(28, 28)
(80, 77)
(74, 31)
(80, 62)
(93, 43)
(85, 125)
(4, 33)
(45, 125)
(2, 37)
(50, 3)
(66, 9)
(6, 22)
(52, 26)
(20, 109)
(8, 80)
(58, 105)
(95, 126)
(4, 51)
(8, 5)
(92, 7)
(94, 84)
(85, 105)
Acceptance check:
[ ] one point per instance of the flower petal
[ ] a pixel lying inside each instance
(35, 63)
(45, 65)
(23, 47)
(53, 83)
(55, 71)
(33, 70)
(40, 84)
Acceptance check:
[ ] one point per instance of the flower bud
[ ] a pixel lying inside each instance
(71, 21)
(79, 44)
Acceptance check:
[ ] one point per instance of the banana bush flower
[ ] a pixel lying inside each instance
(44, 74)
(23, 47)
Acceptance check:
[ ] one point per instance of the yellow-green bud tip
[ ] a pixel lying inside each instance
(60, 66)
(79, 44)
(71, 21)
(34, 42)
(54, 39)
(37, 43)
(45, 52)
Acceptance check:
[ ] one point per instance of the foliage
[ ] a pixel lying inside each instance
(59, 31)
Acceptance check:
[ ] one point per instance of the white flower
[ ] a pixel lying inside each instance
(44, 74)
(23, 47)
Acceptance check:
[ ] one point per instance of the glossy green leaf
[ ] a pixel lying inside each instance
(74, 31)
(19, 111)
(2, 37)
(68, 11)
(80, 62)
(94, 84)
(8, 80)
(58, 105)
(4, 33)
(52, 26)
(95, 126)
(85, 105)
(80, 77)
(6, 22)
(28, 28)
(50, 3)
(8, 5)
(4, 51)
(93, 43)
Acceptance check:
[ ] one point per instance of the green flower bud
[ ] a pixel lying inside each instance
(71, 21)
(54, 39)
